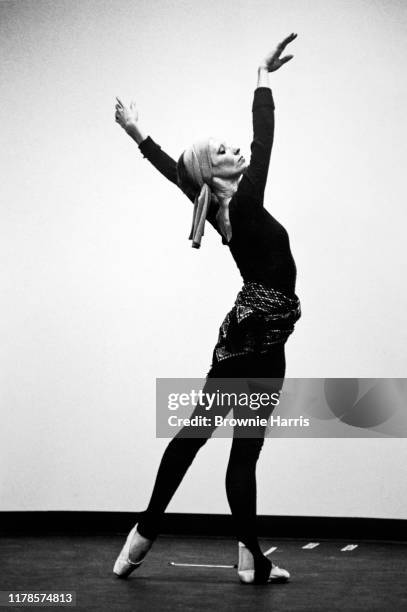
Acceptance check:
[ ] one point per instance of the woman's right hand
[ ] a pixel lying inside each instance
(126, 116)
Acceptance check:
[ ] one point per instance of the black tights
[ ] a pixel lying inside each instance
(245, 451)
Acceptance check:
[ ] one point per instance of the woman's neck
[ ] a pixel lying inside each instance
(222, 216)
(224, 189)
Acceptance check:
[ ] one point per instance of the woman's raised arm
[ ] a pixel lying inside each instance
(127, 117)
(254, 178)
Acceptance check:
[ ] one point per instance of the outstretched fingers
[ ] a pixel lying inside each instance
(286, 41)
(285, 59)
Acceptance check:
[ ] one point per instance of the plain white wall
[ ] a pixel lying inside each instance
(100, 290)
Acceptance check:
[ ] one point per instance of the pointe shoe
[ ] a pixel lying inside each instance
(247, 574)
(123, 566)
(245, 568)
(278, 574)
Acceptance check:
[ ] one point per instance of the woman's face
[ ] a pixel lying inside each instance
(227, 161)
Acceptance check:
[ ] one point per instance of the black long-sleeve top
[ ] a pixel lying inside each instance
(259, 245)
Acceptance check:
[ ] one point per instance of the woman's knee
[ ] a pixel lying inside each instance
(247, 449)
(186, 445)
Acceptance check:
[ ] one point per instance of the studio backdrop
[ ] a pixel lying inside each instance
(101, 292)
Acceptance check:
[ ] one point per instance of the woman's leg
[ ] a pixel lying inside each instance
(241, 472)
(241, 489)
(175, 462)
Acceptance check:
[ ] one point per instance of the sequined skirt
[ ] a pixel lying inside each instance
(261, 316)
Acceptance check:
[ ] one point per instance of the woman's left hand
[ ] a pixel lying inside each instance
(273, 61)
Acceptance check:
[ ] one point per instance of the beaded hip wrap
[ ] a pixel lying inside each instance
(261, 316)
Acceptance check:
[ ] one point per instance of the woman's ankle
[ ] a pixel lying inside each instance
(146, 531)
(253, 568)
(139, 547)
(262, 568)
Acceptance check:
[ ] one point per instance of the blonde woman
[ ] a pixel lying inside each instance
(228, 193)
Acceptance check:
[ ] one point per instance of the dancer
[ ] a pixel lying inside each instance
(228, 193)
